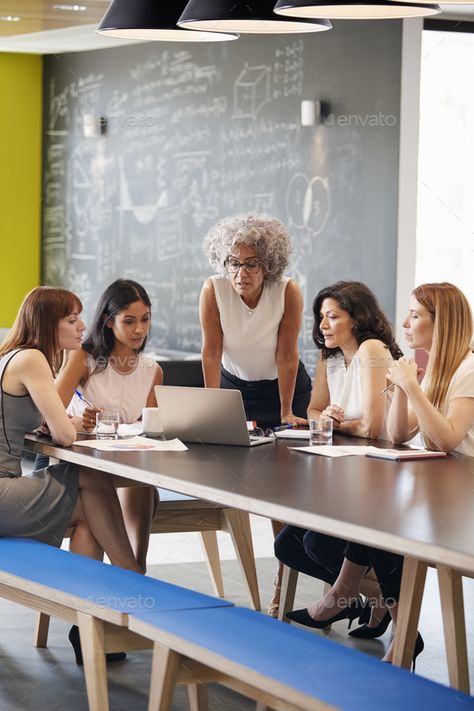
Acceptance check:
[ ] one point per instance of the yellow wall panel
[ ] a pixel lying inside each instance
(20, 179)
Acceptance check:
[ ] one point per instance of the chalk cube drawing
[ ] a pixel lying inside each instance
(251, 91)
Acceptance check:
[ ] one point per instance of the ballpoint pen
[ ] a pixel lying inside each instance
(392, 385)
(81, 397)
(280, 428)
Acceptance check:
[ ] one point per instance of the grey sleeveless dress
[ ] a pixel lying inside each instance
(37, 506)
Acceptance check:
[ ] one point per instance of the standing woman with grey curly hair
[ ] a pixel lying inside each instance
(250, 319)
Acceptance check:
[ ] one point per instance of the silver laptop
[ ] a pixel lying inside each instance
(207, 415)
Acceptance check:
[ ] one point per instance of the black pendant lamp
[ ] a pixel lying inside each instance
(355, 9)
(244, 16)
(152, 20)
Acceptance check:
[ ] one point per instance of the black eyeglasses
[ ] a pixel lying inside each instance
(260, 432)
(233, 265)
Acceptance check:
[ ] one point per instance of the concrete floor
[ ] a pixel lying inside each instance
(33, 679)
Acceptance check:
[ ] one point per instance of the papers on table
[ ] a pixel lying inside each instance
(292, 434)
(370, 451)
(134, 444)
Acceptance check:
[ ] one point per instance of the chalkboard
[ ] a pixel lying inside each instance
(146, 146)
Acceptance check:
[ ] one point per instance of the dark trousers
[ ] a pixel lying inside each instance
(262, 398)
(321, 556)
(387, 566)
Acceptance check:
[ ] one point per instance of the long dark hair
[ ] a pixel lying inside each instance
(362, 306)
(36, 324)
(100, 339)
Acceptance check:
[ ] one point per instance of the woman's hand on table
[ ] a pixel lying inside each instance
(43, 429)
(88, 418)
(335, 413)
(290, 419)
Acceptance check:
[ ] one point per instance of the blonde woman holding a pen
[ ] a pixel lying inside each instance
(440, 410)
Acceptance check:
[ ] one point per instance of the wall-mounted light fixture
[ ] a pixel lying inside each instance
(94, 126)
(152, 20)
(355, 9)
(313, 112)
(243, 16)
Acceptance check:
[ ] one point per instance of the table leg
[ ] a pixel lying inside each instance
(411, 595)
(452, 606)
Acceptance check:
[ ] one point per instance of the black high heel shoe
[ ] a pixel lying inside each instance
(302, 617)
(75, 640)
(367, 632)
(419, 647)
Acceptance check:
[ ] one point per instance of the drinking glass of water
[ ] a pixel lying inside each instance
(107, 425)
(320, 431)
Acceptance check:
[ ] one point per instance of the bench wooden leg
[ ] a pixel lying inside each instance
(452, 606)
(289, 580)
(238, 525)
(411, 595)
(198, 697)
(40, 636)
(211, 551)
(91, 632)
(164, 674)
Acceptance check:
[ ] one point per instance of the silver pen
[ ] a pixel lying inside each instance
(392, 385)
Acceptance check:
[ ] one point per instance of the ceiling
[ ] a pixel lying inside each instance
(51, 26)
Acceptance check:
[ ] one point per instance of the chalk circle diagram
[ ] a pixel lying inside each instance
(308, 202)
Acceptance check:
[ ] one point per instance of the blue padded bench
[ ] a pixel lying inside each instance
(281, 666)
(91, 594)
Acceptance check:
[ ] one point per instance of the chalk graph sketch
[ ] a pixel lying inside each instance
(308, 202)
(251, 91)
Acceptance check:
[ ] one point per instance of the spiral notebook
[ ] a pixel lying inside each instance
(404, 454)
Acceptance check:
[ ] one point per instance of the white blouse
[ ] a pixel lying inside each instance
(345, 387)
(250, 336)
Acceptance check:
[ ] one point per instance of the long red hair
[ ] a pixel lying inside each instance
(36, 324)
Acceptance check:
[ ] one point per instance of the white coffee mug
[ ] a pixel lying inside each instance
(151, 421)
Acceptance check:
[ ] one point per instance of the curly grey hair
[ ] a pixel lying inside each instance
(267, 236)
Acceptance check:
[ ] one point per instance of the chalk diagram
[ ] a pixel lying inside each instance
(308, 202)
(251, 91)
(143, 214)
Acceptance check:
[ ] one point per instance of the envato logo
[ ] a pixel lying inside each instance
(360, 120)
(135, 602)
(127, 121)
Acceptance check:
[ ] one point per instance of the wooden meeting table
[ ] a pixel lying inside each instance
(421, 509)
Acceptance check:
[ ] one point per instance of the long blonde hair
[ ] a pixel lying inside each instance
(36, 324)
(452, 336)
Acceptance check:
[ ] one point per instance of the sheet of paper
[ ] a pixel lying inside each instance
(325, 450)
(293, 434)
(134, 444)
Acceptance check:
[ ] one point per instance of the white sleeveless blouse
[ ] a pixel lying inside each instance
(250, 335)
(345, 388)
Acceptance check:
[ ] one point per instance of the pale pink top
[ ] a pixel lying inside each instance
(125, 393)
